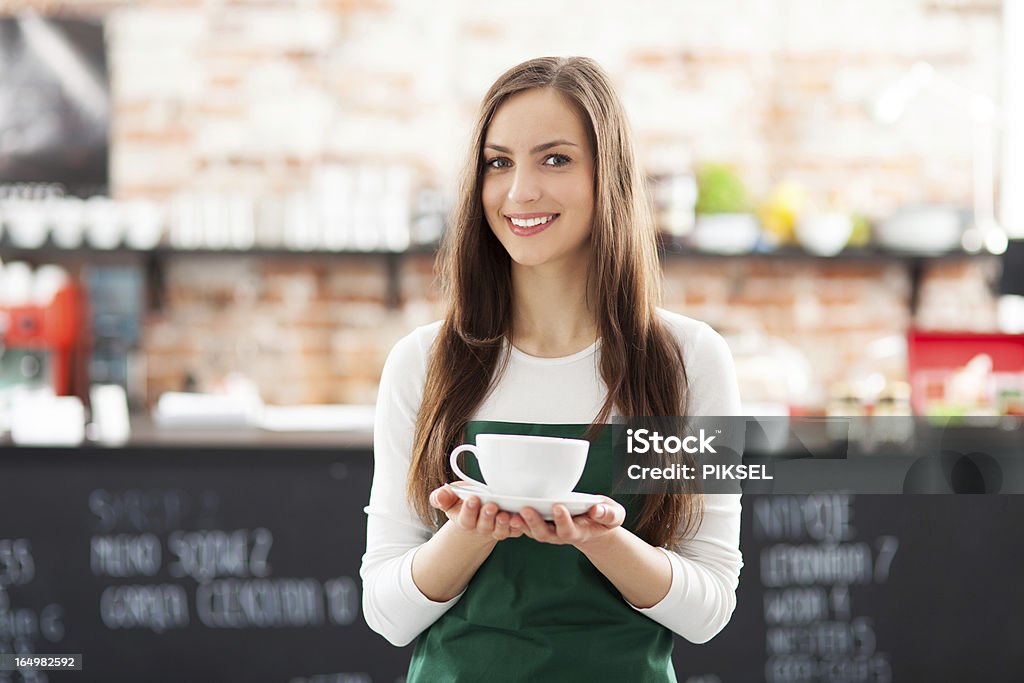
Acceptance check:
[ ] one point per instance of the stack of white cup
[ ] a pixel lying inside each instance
(101, 222)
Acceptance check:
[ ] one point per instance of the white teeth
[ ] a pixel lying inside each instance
(530, 222)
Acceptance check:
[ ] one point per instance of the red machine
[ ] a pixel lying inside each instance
(58, 329)
(935, 358)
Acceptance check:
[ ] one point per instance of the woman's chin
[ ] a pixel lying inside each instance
(533, 258)
(529, 259)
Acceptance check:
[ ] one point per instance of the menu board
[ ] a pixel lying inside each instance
(851, 589)
(242, 565)
(166, 565)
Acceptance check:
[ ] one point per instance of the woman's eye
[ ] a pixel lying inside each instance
(502, 162)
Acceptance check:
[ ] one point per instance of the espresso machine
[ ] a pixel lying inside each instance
(45, 344)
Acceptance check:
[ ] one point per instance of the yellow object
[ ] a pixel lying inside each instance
(861, 231)
(782, 210)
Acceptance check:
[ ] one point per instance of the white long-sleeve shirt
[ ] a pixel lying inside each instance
(705, 569)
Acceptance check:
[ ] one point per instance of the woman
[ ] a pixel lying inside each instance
(551, 277)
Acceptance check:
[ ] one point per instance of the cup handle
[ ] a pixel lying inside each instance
(454, 459)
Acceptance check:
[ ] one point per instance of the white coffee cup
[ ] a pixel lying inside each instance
(526, 466)
(67, 215)
(144, 224)
(26, 223)
(104, 228)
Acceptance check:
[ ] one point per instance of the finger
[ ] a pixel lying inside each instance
(447, 496)
(608, 514)
(618, 514)
(536, 525)
(501, 527)
(485, 520)
(565, 528)
(469, 513)
(443, 498)
(454, 512)
(517, 525)
(451, 508)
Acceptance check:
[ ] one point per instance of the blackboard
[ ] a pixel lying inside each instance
(202, 565)
(219, 564)
(851, 589)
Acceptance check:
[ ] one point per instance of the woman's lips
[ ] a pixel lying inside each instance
(526, 232)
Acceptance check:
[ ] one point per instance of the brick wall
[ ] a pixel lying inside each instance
(305, 329)
(314, 330)
(251, 96)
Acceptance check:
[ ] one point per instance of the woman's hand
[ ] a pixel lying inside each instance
(577, 531)
(485, 523)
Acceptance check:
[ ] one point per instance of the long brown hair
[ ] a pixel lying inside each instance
(641, 363)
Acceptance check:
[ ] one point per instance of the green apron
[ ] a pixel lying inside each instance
(541, 612)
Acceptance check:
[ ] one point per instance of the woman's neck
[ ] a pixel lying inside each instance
(552, 315)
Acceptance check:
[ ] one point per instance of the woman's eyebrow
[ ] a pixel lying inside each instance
(538, 148)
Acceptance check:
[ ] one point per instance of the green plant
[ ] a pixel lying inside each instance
(720, 190)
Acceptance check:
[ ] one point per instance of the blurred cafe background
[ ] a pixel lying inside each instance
(217, 216)
(244, 197)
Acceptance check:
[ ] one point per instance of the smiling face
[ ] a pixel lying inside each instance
(538, 178)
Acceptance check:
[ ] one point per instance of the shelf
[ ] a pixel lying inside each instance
(667, 249)
(51, 251)
(672, 249)
(153, 259)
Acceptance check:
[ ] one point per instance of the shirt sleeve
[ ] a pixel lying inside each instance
(393, 605)
(706, 567)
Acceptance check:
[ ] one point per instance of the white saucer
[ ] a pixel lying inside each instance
(577, 503)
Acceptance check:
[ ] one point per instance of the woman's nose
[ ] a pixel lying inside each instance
(525, 186)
